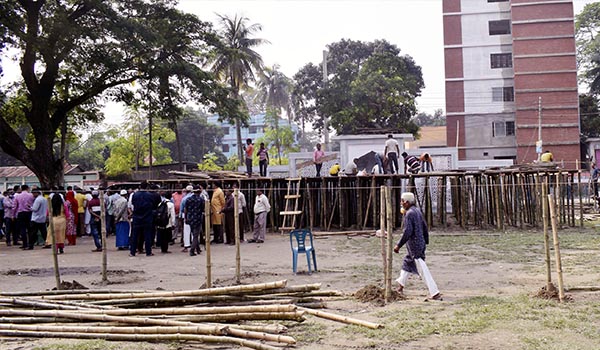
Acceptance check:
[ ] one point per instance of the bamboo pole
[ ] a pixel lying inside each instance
(200, 292)
(236, 219)
(383, 234)
(141, 337)
(68, 291)
(54, 248)
(343, 319)
(207, 244)
(580, 199)
(561, 289)
(297, 316)
(103, 235)
(390, 238)
(38, 304)
(195, 310)
(546, 236)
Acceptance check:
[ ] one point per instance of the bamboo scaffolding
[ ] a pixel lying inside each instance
(343, 319)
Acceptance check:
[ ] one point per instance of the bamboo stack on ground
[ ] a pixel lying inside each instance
(225, 315)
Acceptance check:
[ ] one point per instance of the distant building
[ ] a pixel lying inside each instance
(502, 59)
(255, 130)
(21, 175)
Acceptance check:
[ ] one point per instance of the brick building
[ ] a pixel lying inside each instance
(508, 63)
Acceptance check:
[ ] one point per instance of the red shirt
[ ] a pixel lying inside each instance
(249, 151)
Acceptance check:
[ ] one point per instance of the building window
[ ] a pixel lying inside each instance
(503, 94)
(499, 27)
(225, 130)
(510, 128)
(501, 128)
(256, 129)
(225, 148)
(501, 60)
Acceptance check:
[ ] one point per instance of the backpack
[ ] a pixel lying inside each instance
(161, 218)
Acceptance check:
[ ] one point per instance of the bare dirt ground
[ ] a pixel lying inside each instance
(482, 276)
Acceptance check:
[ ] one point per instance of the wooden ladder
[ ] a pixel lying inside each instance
(291, 205)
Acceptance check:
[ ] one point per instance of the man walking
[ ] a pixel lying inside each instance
(194, 216)
(261, 208)
(416, 238)
(391, 152)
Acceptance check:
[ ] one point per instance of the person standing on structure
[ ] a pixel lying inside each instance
(318, 159)
(391, 152)
(263, 159)
(416, 238)
(249, 149)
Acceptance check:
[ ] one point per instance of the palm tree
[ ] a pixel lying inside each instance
(237, 63)
(274, 93)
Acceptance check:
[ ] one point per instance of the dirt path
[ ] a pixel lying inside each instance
(345, 264)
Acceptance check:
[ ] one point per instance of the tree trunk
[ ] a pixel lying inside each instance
(178, 141)
(238, 131)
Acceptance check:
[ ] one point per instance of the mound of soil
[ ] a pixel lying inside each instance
(376, 295)
(65, 285)
(551, 293)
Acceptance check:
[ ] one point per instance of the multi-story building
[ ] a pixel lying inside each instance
(511, 67)
(255, 130)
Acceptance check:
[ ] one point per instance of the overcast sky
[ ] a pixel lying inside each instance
(299, 31)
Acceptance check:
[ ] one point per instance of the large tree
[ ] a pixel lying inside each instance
(78, 52)
(589, 110)
(587, 27)
(237, 63)
(370, 88)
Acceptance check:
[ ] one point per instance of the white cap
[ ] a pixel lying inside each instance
(95, 193)
(123, 192)
(189, 188)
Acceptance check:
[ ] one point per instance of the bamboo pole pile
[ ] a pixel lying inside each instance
(232, 315)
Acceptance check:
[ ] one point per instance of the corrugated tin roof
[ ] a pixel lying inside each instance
(23, 171)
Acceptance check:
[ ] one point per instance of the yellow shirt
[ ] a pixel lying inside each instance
(334, 169)
(546, 157)
(80, 198)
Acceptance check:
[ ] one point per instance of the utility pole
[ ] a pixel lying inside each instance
(539, 144)
(325, 123)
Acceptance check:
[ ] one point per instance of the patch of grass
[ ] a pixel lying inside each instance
(484, 314)
(308, 331)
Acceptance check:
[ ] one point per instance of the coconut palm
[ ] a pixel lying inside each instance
(274, 90)
(237, 63)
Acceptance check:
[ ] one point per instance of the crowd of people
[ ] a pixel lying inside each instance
(140, 219)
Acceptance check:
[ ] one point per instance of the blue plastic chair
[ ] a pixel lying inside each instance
(302, 246)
